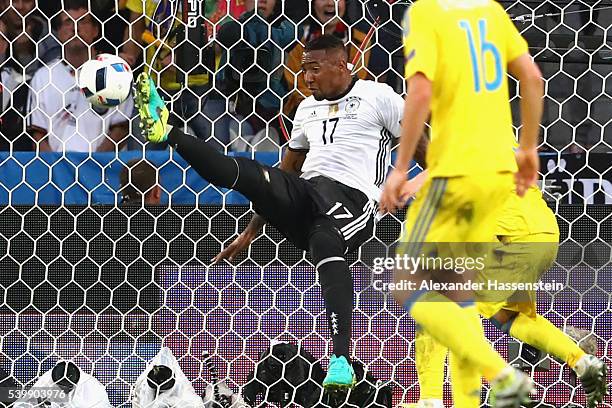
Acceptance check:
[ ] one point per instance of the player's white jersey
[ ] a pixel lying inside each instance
(349, 139)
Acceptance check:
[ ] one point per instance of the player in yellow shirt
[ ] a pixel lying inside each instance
(527, 230)
(458, 53)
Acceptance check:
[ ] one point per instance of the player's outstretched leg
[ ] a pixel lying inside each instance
(443, 319)
(542, 334)
(430, 355)
(327, 248)
(242, 174)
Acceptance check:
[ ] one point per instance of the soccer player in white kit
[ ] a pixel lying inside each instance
(324, 195)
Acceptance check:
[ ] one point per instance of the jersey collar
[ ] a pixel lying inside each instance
(343, 94)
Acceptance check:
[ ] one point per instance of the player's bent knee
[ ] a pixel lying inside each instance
(326, 245)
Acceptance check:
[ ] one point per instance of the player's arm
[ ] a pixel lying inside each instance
(416, 111)
(521, 66)
(420, 152)
(421, 55)
(391, 110)
(411, 187)
(532, 105)
(292, 162)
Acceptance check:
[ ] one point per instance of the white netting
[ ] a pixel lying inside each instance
(105, 286)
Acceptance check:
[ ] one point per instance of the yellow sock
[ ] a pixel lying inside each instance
(456, 328)
(429, 357)
(466, 377)
(466, 381)
(542, 334)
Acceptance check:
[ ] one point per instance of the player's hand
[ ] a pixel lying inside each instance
(411, 187)
(409, 190)
(391, 198)
(528, 162)
(241, 243)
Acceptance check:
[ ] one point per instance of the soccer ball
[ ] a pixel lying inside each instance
(106, 81)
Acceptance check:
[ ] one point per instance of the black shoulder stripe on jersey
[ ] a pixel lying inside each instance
(387, 153)
(378, 156)
(381, 156)
(387, 161)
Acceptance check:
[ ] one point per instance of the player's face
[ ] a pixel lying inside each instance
(324, 73)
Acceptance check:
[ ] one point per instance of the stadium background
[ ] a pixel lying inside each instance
(106, 285)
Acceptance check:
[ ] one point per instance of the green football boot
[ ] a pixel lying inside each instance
(152, 109)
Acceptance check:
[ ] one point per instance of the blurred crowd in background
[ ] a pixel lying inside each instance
(249, 73)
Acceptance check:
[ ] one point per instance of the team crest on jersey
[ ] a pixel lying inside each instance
(352, 104)
(333, 109)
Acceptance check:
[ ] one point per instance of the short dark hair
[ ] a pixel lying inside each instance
(137, 178)
(325, 42)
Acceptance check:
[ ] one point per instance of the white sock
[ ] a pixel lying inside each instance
(582, 364)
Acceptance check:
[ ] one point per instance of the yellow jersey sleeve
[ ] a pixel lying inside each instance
(135, 6)
(515, 43)
(420, 42)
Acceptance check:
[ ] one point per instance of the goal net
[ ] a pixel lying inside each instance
(105, 285)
